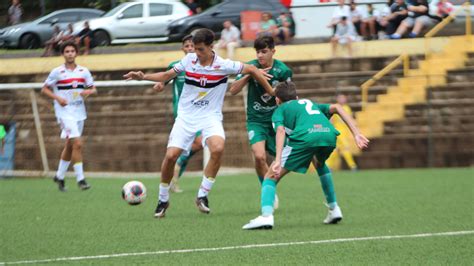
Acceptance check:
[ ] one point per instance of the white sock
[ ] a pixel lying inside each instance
(164, 195)
(79, 171)
(62, 169)
(206, 186)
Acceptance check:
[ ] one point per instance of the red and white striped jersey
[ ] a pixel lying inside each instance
(68, 84)
(204, 87)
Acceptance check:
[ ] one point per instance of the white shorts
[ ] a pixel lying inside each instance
(70, 128)
(183, 134)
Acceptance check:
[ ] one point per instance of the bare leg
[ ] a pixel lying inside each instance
(260, 157)
(216, 147)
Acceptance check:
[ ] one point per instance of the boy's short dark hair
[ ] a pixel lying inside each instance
(186, 38)
(205, 36)
(286, 91)
(264, 42)
(69, 43)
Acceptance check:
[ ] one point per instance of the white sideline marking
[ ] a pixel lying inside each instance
(315, 242)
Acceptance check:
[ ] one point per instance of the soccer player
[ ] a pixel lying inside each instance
(260, 104)
(69, 85)
(199, 109)
(342, 146)
(178, 83)
(311, 137)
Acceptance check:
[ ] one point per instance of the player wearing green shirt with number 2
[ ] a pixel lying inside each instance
(260, 105)
(310, 138)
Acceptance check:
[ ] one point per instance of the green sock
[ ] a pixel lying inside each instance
(183, 162)
(260, 179)
(325, 177)
(268, 196)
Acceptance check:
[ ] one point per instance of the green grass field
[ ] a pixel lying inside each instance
(39, 223)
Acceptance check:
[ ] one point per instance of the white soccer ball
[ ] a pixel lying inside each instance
(134, 192)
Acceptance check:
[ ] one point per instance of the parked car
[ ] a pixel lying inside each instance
(213, 17)
(32, 35)
(138, 21)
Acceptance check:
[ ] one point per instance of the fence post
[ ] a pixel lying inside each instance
(39, 132)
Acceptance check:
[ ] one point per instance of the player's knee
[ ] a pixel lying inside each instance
(77, 144)
(260, 157)
(217, 151)
(171, 157)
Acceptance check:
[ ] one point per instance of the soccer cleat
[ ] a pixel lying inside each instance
(83, 185)
(334, 216)
(60, 183)
(203, 205)
(261, 222)
(276, 202)
(161, 209)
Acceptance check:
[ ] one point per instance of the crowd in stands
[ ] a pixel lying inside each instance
(83, 39)
(398, 19)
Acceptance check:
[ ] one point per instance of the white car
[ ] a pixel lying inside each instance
(137, 21)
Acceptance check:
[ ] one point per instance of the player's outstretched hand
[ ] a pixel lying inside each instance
(86, 93)
(134, 75)
(159, 86)
(61, 101)
(264, 72)
(361, 141)
(276, 168)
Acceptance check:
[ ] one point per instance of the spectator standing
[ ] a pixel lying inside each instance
(230, 39)
(268, 26)
(15, 11)
(345, 35)
(340, 11)
(418, 18)
(193, 6)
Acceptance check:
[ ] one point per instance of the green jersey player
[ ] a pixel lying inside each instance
(178, 83)
(310, 138)
(260, 105)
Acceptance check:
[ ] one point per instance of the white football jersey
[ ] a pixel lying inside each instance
(68, 84)
(204, 87)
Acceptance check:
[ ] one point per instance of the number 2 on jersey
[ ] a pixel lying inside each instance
(309, 107)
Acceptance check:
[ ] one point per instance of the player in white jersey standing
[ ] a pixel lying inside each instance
(68, 85)
(199, 109)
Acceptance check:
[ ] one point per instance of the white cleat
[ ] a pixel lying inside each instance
(334, 216)
(276, 203)
(261, 222)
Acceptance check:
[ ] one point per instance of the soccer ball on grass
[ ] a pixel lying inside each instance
(134, 192)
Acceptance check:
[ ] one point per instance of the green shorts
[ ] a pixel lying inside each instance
(262, 132)
(298, 158)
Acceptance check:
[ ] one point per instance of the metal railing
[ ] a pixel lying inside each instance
(405, 59)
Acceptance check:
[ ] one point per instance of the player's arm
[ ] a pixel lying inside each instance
(238, 85)
(159, 77)
(361, 141)
(259, 76)
(88, 92)
(50, 94)
(280, 141)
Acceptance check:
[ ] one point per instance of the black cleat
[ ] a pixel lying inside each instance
(161, 209)
(203, 205)
(60, 183)
(83, 185)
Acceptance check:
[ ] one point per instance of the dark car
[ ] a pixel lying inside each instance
(31, 35)
(216, 15)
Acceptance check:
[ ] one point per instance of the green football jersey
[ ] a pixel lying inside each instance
(260, 105)
(178, 83)
(306, 123)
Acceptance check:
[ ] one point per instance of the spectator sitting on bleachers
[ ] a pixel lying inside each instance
(398, 12)
(230, 39)
(356, 16)
(444, 8)
(285, 26)
(370, 21)
(418, 18)
(381, 16)
(345, 35)
(53, 42)
(341, 10)
(84, 38)
(268, 26)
